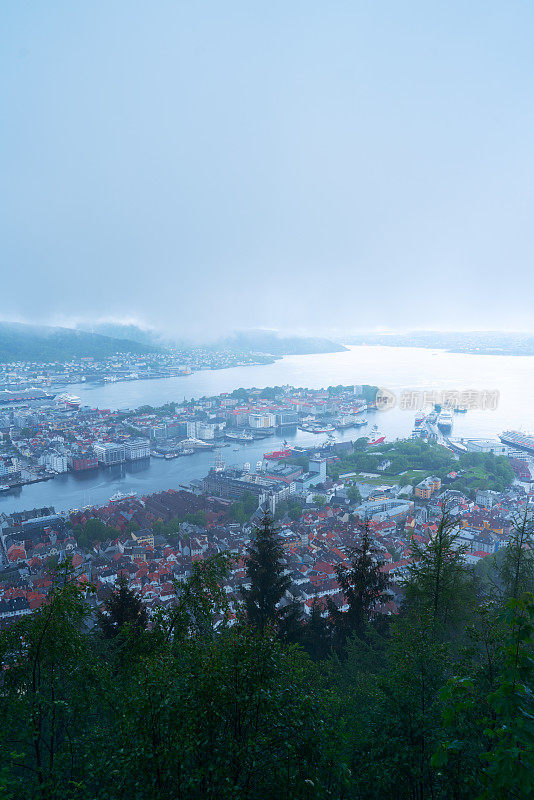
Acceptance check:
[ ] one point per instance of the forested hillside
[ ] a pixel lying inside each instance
(20, 342)
(436, 702)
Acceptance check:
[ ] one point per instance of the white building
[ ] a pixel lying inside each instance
(109, 453)
(486, 446)
(262, 420)
(136, 449)
(55, 462)
(318, 466)
(206, 430)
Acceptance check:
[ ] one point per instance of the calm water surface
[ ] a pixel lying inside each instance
(396, 369)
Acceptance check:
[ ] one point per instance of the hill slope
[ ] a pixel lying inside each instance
(20, 342)
(242, 341)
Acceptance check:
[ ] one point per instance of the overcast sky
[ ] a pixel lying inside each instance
(320, 166)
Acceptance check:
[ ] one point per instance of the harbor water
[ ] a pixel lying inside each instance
(407, 373)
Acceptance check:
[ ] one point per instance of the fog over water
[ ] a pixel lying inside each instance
(396, 369)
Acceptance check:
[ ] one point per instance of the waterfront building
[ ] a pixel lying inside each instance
(80, 462)
(109, 453)
(136, 449)
(232, 484)
(288, 418)
(261, 420)
(486, 446)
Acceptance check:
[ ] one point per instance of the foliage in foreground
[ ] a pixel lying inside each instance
(437, 704)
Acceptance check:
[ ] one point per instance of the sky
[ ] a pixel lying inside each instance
(319, 167)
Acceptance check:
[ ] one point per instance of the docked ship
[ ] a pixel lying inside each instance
(445, 418)
(345, 422)
(178, 453)
(359, 422)
(419, 430)
(316, 427)
(238, 436)
(523, 441)
(375, 437)
(68, 402)
(12, 396)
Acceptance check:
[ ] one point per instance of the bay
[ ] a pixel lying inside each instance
(398, 369)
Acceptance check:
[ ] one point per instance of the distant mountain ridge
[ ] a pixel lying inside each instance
(42, 343)
(270, 342)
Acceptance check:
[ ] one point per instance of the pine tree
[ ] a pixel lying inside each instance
(317, 636)
(290, 623)
(438, 578)
(124, 607)
(364, 585)
(265, 572)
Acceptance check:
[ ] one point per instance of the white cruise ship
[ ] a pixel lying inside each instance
(445, 418)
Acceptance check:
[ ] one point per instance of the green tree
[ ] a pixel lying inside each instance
(364, 585)
(132, 527)
(438, 578)
(49, 680)
(317, 637)
(202, 709)
(393, 751)
(238, 513)
(200, 602)
(487, 743)
(218, 718)
(266, 574)
(354, 495)
(94, 531)
(123, 609)
(197, 518)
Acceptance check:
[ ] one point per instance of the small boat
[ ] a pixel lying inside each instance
(118, 496)
(5, 488)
